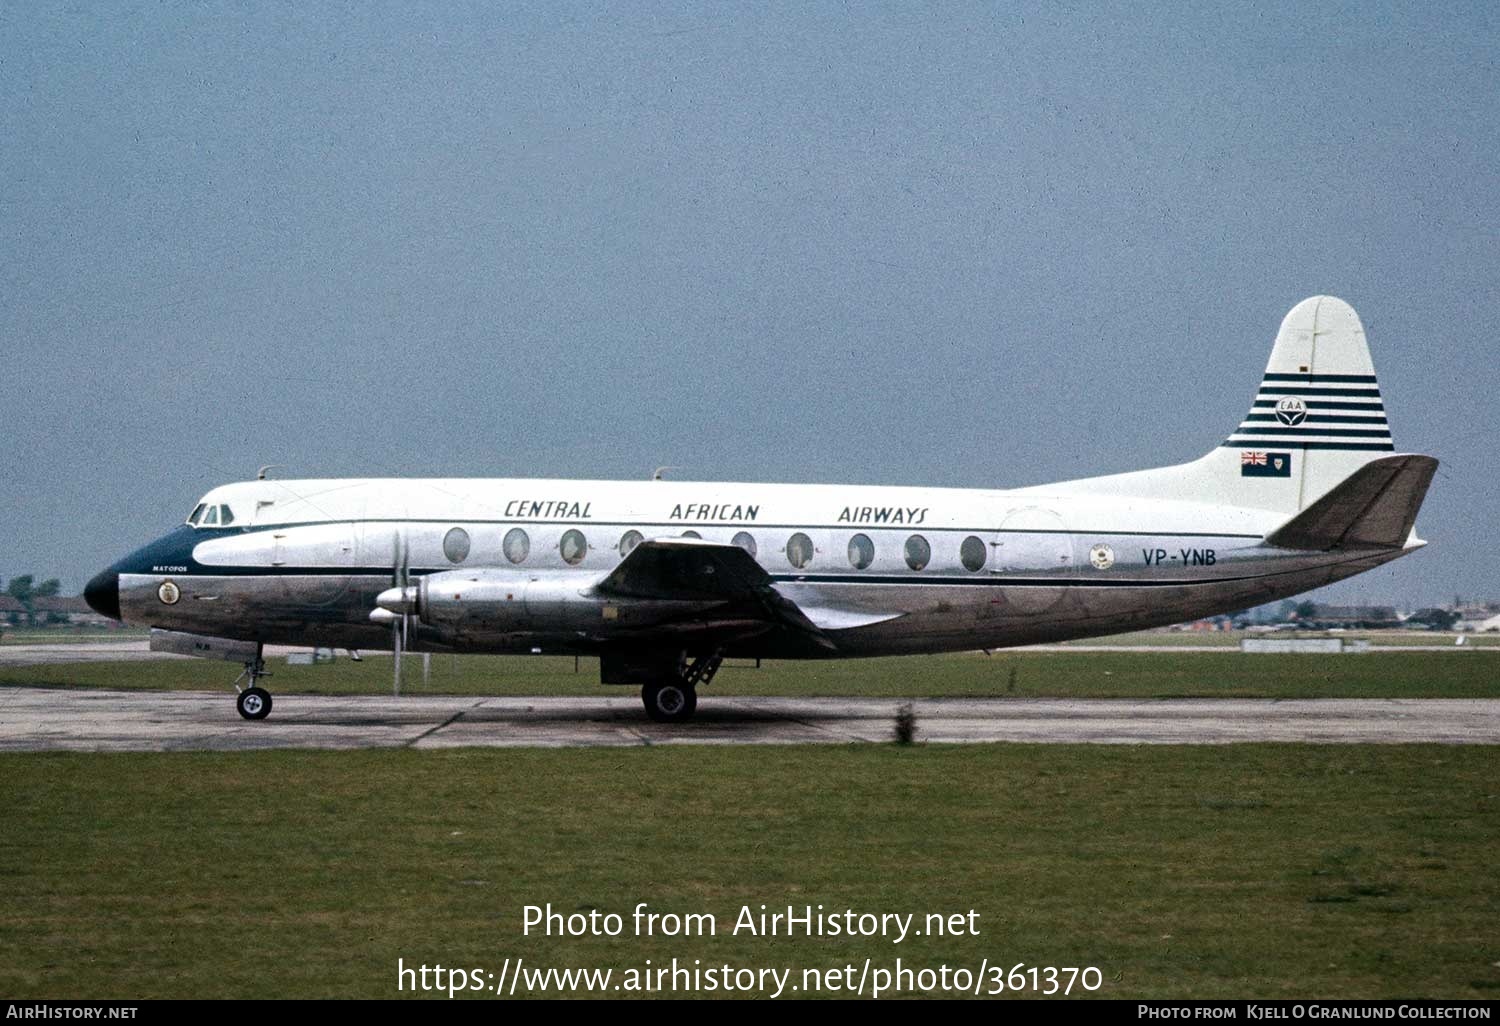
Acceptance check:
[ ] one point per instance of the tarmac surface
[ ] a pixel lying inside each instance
(89, 720)
(28, 653)
(113, 650)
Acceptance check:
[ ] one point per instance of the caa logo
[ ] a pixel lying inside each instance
(169, 593)
(1291, 411)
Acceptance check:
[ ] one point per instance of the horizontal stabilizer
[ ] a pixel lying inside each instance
(1374, 507)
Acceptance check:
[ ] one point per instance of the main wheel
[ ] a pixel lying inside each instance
(669, 702)
(254, 703)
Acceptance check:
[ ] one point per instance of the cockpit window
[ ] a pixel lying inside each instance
(211, 516)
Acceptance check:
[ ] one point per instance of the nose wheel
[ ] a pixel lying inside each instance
(253, 702)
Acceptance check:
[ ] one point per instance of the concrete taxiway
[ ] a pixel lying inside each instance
(137, 650)
(45, 719)
(122, 650)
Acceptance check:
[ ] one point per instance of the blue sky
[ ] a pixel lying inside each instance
(956, 245)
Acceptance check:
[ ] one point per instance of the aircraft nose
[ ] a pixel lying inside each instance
(103, 594)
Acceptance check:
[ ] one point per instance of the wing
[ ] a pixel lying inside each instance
(689, 568)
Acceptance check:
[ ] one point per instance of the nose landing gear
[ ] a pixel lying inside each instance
(254, 702)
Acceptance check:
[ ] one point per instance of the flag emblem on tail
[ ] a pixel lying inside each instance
(1265, 464)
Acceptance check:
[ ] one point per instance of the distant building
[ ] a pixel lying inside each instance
(1323, 617)
(1208, 623)
(70, 609)
(11, 611)
(1475, 610)
(1478, 626)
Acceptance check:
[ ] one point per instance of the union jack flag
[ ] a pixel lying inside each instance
(1252, 459)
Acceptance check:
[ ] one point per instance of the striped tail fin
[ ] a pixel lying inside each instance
(1318, 415)
(1317, 418)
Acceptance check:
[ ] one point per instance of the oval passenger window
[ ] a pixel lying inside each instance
(972, 553)
(456, 545)
(861, 551)
(918, 552)
(573, 547)
(517, 545)
(799, 550)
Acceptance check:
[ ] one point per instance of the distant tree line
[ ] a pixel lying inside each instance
(25, 590)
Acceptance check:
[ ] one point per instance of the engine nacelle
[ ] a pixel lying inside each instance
(502, 600)
(488, 601)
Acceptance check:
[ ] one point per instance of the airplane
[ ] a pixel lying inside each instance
(662, 580)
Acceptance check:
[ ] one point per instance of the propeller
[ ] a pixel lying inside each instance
(397, 603)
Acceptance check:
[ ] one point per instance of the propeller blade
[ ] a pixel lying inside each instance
(399, 557)
(396, 638)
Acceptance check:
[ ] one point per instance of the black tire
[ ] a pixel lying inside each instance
(254, 703)
(670, 701)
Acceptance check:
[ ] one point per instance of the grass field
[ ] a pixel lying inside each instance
(11, 635)
(65, 635)
(1232, 639)
(1246, 870)
(1457, 674)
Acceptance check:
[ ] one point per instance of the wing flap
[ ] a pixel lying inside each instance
(844, 619)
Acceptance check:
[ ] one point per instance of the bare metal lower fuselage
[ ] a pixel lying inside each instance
(939, 611)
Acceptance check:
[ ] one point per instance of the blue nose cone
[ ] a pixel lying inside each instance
(103, 594)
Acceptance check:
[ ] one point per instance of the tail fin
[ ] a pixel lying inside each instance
(1316, 419)
(1318, 415)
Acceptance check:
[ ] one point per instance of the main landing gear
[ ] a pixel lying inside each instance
(674, 699)
(254, 702)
